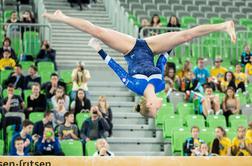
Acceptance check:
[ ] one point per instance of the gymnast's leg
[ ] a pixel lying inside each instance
(164, 42)
(116, 40)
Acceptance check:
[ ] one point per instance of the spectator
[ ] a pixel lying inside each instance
(186, 68)
(27, 17)
(217, 72)
(211, 102)
(13, 19)
(46, 53)
(20, 145)
(59, 112)
(201, 72)
(94, 127)
(60, 93)
(81, 103)
(48, 144)
(221, 144)
(16, 78)
(203, 151)
(50, 87)
(40, 125)
(68, 130)
(240, 78)
(79, 2)
(245, 56)
(241, 145)
(193, 143)
(25, 134)
(248, 68)
(173, 23)
(36, 102)
(32, 77)
(249, 130)
(102, 148)
(144, 23)
(189, 83)
(12, 109)
(230, 104)
(7, 46)
(171, 78)
(155, 21)
(228, 81)
(106, 112)
(80, 78)
(6, 62)
(26, 2)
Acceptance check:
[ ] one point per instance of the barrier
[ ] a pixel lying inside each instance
(124, 161)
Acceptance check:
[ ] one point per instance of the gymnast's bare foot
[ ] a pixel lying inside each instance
(230, 29)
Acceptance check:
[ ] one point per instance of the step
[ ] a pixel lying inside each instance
(137, 133)
(137, 121)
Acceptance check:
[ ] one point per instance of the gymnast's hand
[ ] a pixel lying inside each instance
(56, 16)
(95, 44)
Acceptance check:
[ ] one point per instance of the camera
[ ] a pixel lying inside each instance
(48, 134)
(95, 112)
(47, 46)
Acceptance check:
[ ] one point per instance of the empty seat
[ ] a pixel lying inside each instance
(211, 14)
(178, 138)
(197, 14)
(168, 14)
(214, 121)
(226, 3)
(80, 118)
(133, 6)
(203, 20)
(90, 148)
(1, 147)
(71, 147)
(178, 7)
(207, 135)
(153, 12)
(216, 20)
(232, 9)
(226, 15)
(31, 43)
(185, 109)
(199, 2)
(182, 14)
(238, 16)
(246, 10)
(219, 9)
(213, 2)
(36, 116)
(163, 7)
(236, 121)
(239, 3)
(171, 122)
(187, 20)
(205, 9)
(44, 66)
(191, 8)
(149, 6)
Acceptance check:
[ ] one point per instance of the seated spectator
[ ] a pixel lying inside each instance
(248, 68)
(6, 62)
(60, 93)
(245, 56)
(32, 77)
(27, 17)
(12, 109)
(210, 103)
(24, 2)
(241, 79)
(68, 130)
(20, 145)
(94, 127)
(241, 145)
(48, 144)
(16, 78)
(36, 102)
(79, 2)
(173, 23)
(201, 73)
(50, 87)
(80, 78)
(221, 145)
(193, 143)
(172, 80)
(155, 21)
(249, 130)
(13, 19)
(25, 134)
(144, 23)
(7, 46)
(40, 125)
(186, 68)
(203, 151)
(59, 112)
(230, 104)
(81, 103)
(228, 81)
(106, 112)
(46, 53)
(217, 72)
(102, 148)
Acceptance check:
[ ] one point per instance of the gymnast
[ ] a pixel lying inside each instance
(143, 77)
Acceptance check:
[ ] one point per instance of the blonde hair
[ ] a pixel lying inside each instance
(142, 108)
(106, 104)
(98, 141)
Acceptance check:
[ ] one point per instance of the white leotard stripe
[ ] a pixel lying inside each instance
(154, 76)
(107, 59)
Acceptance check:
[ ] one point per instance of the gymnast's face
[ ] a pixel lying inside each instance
(153, 106)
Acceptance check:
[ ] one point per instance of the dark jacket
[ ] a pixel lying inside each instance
(189, 145)
(47, 86)
(12, 79)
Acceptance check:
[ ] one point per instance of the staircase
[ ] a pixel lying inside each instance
(133, 135)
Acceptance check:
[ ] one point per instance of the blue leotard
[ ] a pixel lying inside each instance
(141, 68)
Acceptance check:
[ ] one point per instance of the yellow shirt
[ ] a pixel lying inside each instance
(181, 74)
(240, 77)
(7, 62)
(236, 143)
(224, 84)
(249, 133)
(225, 144)
(248, 68)
(218, 73)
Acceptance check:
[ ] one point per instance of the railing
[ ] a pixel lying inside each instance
(120, 18)
(215, 44)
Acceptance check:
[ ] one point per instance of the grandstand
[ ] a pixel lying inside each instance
(133, 135)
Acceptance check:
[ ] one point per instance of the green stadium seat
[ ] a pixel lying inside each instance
(214, 121)
(245, 22)
(166, 110)
(207, 135)
(216, 20)
(236, 121)
(185, 109)
(46, 66)
(45, 76)
(231, 133)
(26, 65)
(16, 92)
(242, 98)
(162, 95)
(17, 44)
(195, 120)
(1, 36)
(27, 92)
(90, 148)
(7, 15)
(80, 118)
(1, 147)
(171, 122)
(36, 116)
(31, 43)
(221, 95)
(174, 59)
(134, 19)
(4, 74)
(71, 147)
(178, 138)
(66, 76)
(187, 20)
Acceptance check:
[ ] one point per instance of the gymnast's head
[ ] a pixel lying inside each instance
(148, 108)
